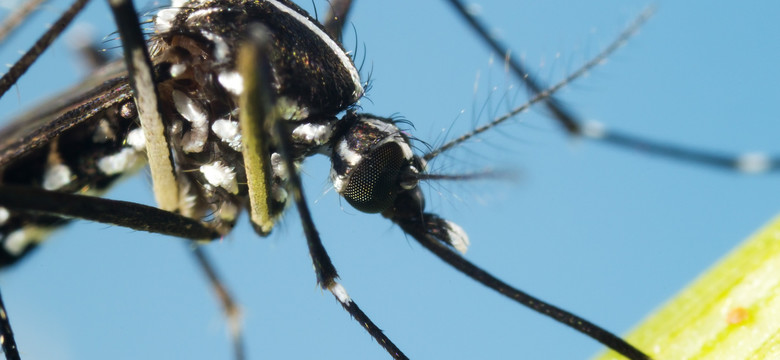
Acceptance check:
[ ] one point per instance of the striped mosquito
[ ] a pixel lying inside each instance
(255, 281)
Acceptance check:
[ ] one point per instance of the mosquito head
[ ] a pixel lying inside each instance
(376, 172)
(372, 162)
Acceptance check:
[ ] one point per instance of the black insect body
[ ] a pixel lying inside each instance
(194, 52)
(194, 58)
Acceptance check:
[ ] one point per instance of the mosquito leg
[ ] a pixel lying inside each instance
(157, 148)
(7, 335)
(21, 66)
(563, 115)
(229, 305)
(121, 213)
(749, 163)
(16, 18)
(147, 99)
(433, 232)
(129, 215)
(261, 111)
(337, 18)
(255, 70)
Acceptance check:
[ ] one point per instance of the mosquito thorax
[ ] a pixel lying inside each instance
(195, 46)
(312, 72)
(372, 162)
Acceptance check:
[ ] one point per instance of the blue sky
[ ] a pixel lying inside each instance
(605, 233)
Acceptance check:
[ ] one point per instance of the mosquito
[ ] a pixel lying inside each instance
(389, 286)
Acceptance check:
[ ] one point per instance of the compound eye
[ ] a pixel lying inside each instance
(374, 182)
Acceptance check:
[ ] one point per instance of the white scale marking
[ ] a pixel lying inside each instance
(177, 70)
(458, 237)
(136, 139)
(340, 292)
(56, 176)
(316, 134)
(202, 13)
(228, 132)
(195, 139)
(4, 215)
(280, 194)
(220, 175)
(351, 157)
(752, 163)
(231, 81)
(278, 166)
(221, 48)
(339, 182)
(594, 129)
(164, 19)
(123, 161)
(17, 241)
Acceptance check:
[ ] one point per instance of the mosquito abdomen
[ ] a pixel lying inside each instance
(86, 158)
